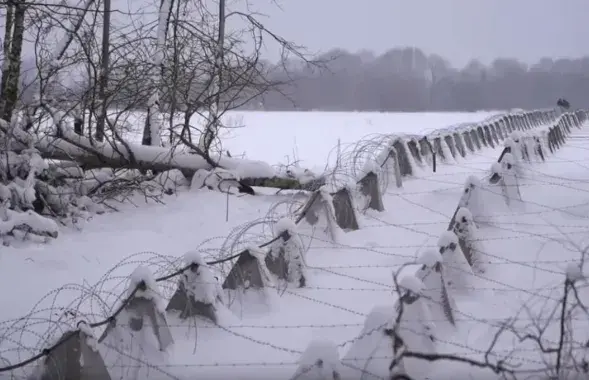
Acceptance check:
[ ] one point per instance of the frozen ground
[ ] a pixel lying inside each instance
(311, 138)
(526, 251)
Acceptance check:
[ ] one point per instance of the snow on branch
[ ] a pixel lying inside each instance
(111, 154)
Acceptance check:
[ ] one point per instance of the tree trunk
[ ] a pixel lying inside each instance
(101, 121)
(10, 88)
(152, 129)
(91, 154)
(212, 127)
(6, 50)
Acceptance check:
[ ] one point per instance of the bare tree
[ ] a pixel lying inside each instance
(211, 71)
(13, 44)
(212, 126)
(105, 68)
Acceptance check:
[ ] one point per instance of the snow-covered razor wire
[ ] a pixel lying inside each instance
(352, 160)
(126, 323)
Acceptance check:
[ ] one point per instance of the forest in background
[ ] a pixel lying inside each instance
(408, 79)
(400, 80)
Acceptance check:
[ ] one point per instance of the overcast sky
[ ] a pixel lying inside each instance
(459, 30)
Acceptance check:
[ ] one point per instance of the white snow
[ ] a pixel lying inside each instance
(429, 258)
(508, 159)
(447, 238)
(199, 179)
(201, 284)
(465, 213)
(370, 351)
(371, 166)
(320, 361)
(411, 283)
(142, 275)
(509, 142)
(217, 179)
(29, 218)
(457, 271)
(418, 332)
(88, 334)
(303, 175)
(171, 180)
(285, 224)
(527, 259)
(193, 257)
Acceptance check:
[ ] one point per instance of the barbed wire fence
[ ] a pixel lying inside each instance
(375, 161)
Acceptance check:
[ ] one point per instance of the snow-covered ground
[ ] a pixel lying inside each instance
(311, 138)
(526, 250)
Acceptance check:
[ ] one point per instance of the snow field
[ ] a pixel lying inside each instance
(307, 138)
(346, 279)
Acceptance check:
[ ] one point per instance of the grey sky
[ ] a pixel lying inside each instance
(459, 30)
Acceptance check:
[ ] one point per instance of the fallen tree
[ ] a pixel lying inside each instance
(89, 154)
(82, 161)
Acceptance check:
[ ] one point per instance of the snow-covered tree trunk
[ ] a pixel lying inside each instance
(153, 122)
(212, 126)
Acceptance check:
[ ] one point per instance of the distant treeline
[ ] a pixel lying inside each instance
(403, 79)
(408, 80)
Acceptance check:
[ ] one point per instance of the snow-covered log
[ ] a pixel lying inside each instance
(92, 154)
